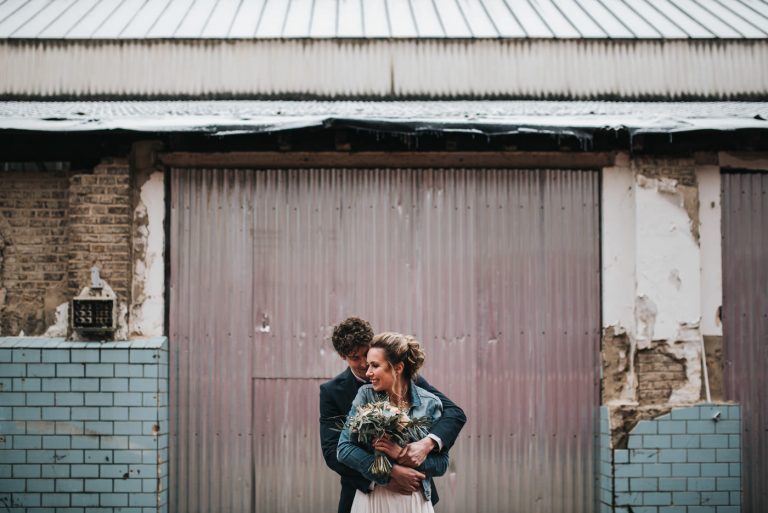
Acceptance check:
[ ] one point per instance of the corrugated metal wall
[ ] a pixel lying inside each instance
(496, 271)
(745, 323)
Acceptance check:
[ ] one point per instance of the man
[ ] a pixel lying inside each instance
(351, 339)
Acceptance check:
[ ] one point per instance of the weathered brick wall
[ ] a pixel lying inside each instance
(84, 426)
(54, 226)
(658, 374)
(100, 227)
(34, 262)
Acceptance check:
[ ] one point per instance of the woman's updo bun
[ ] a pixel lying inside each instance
(401, 348)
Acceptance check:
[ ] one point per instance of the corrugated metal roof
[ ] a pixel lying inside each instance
(479, 116)
(214, 19)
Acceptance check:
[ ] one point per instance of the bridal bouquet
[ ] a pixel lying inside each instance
(381, 419)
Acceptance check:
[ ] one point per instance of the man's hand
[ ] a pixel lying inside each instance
(404, 480)
(416, 452)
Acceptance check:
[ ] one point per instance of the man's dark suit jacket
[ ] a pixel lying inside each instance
(336, 398)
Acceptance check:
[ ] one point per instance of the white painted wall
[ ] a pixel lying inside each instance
(710, 239)
(148, 309)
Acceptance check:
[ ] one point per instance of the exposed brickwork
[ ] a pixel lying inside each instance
(33, 264)
(54, 226)
(658, 374)
(100, 228)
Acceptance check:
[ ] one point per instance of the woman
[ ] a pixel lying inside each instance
(393, 360)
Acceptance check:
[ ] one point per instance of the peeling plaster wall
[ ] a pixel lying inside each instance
(148, 306)
(662, 287)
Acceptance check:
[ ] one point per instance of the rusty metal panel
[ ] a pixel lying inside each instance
(496, 271)
(745, 323)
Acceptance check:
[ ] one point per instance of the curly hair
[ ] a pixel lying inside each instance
(350, 334)
(401, 348)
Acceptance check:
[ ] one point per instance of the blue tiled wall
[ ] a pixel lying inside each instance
(84, 426)
(688, 461)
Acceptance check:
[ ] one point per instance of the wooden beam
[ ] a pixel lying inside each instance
(753, 161)
(296, 160)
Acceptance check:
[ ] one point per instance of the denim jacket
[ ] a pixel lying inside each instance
(359, 456)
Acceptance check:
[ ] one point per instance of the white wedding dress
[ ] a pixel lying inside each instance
(381, 500)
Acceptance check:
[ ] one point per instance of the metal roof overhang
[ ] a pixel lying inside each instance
(617, 125)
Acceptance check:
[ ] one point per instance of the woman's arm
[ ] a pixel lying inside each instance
(450, 423)
(351, 454)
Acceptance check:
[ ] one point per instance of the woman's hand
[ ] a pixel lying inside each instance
(388, 447)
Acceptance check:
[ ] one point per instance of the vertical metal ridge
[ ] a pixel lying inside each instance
(745, 322)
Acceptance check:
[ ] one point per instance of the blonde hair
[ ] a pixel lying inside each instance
(401, 348)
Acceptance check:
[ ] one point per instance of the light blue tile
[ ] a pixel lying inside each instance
(145, 471)
(128, 399)
(55, 471)
(69, 398)
(71, 456)
(657, 470)
(657, 499)
(26, 384)
(85, 442)
(672, 427)
(643, 455)
(128, 370)
(85, 499)
(734, 469)
(685, 414)
(114, 355)
(672, 455)
(41, 370)
(114, 413)
(27, 442)
(735, 498)
(13, 370)
(56, 413)
(100, 370)
(69, 485)
(700, 427)
(85, 385)
(56, 500)
(114, 384)
(702, 509)
(728, 484)
(99, 457)
(672, 509)
(701, 484)
(643, 484)
(143, 413)
(128, 485)
(70, 370)
(715, 498)
(734, 412)
(701, 455)
(114, 442)
(128, 428)
(673, 484)
(13, 399)
(26, 355)
(99, 399)
(114, 500)
(28, 500)
(714, 441)
(40, 485)
(656, 441)
(85, 413)
(686, 441)
(143, 385)
(143, 499)
(645, 509)
(714, 470)
(113, 471)
(26, 413)
(5, 356)
(26, 471)
(5, 471)
(129, 457)
(686, 470)
(56, 442)
(709, 412)
(40, 399)
(55, 355)
(12, 485)
(734, 441)
(99, 428)
(686, 498)
(98, 485)
(85, 355)
(56, 384)
(145, 356)
(728, 509)
(729, 427)
(85, 471)
(41, 456)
